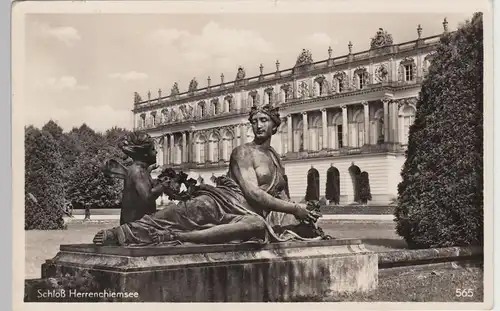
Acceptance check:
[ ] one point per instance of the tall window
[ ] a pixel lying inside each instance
(316, 134)
(201, 109)
(284, 138)
(340, 137)
(153, 118)
(340, 84)
(142, 121)
(360, 129)
(286, 93)
(216, 105)
(361, 80)
(408, 72)
(408, 117)
(201, 149)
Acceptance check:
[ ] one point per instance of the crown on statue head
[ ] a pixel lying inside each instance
(271, 110)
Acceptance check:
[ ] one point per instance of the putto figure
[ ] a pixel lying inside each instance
(140, 190)
(247, 204)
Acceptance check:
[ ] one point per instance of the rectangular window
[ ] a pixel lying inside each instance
(339, 136)
(361, 79)
(408, 72)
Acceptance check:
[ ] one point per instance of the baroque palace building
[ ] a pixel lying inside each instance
(341, 116)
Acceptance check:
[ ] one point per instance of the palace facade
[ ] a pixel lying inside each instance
(341, 116)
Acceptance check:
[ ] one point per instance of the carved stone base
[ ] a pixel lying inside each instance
(224, 273)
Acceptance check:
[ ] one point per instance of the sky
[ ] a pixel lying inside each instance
(85, 68)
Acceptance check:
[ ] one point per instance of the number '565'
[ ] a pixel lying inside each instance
(464, 292)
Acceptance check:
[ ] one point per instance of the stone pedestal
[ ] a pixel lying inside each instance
(224, 273)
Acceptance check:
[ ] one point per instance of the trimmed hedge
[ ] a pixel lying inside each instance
(440, 197)
(44, 184)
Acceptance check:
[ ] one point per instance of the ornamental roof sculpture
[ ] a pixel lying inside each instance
(241, 73)
(305, 58)
(382, 38)
(174, 90)
(193, 85)
(137, 98)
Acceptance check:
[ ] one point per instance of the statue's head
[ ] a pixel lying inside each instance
(140, 147)
(265, 121)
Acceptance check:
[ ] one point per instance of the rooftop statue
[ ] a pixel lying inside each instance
(193, 85)
(248, 204)
(305, 58)
(175, 90)
(382, 38)
(137, 98)
(241, 73)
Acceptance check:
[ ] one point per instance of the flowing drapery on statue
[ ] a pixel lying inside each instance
(247, 204)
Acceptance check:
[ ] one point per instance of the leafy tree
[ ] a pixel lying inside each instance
(440, 197)
(88, 187)
(44, 185)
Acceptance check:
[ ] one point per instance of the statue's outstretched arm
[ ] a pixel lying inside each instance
(244, 174)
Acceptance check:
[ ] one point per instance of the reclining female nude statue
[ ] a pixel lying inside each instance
(248, 204)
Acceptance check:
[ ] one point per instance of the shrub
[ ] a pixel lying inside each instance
(332, 190)
(44, 185)
(312, 190)
(365, 194)
(440, 197)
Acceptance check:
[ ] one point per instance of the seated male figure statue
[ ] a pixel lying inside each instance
(247, 204)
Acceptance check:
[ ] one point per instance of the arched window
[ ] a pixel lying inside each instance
(201, 109)
(320, 86)
(228, 104)
(335, 127)
(142, 122)
(298, 137)
(286, 92)
(269, 93)
(215, 107)
(178, 149)
(227, 145)
(360, 78)
(201, 143)
(164, 115)
(316, 133)
(213, 149)
(407, 117)
(358, 129)
(283, 133)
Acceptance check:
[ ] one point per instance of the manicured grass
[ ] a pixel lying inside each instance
(43, 245)
(428, 286)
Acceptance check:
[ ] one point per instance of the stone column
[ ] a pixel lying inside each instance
(324, 124)
(394, 122)
(243, 133)
(385, 101)
(165, 149)
(345, 127)
(289, 132)
(172, 149)
(305, 131)
(366, 110)
(190, 148)
(184, 148)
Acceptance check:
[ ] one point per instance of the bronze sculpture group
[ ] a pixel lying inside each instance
(249, 204)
